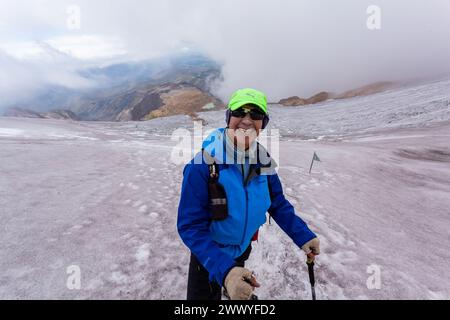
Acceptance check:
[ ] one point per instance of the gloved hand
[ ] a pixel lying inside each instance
(312, 247)
(240, 283)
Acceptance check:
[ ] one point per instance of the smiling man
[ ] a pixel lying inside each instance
(227, 189)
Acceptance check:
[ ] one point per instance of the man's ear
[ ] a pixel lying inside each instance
(265, 121)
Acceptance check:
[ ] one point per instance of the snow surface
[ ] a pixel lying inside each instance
(103, 196)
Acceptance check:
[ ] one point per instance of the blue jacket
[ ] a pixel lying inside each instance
(217, 243)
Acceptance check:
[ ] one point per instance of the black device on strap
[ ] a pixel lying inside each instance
(217, 196)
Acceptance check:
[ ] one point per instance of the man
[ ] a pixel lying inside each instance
(227, 190)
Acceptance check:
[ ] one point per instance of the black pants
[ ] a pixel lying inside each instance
(199, 287)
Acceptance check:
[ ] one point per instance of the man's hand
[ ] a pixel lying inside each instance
(240, 283)
(312, 248)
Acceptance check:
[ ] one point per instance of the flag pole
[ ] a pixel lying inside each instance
(312, 162)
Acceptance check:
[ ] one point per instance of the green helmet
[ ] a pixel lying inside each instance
(248, 96)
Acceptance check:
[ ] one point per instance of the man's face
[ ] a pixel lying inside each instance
(244, 130)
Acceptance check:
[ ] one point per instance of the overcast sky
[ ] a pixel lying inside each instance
(282, 47)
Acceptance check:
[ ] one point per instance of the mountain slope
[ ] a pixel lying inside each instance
(169, 99)
(127, 86)
(54, 114)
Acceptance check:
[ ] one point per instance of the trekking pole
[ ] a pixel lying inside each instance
(310, 264)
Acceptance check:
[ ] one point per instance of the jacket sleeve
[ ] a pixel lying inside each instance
(194, 220)
(284, 215)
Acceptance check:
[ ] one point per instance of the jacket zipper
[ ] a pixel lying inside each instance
(245, 182)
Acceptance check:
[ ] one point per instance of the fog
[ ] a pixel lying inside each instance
(283, 48)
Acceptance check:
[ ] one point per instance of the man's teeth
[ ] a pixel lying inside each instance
(245, 130)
